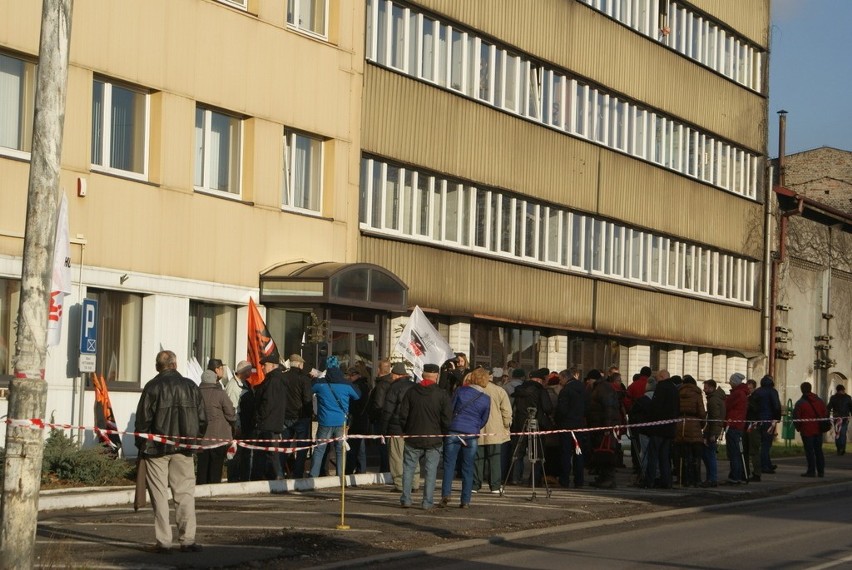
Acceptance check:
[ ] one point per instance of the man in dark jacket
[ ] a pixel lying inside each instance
(425, 410)
(530, 401)
(603, 411)
(840, 407)
(769, 414)
(376, 406)
(391, 424)
(664, 406)
(571, 414)
(713, 429)
(269, 405)
(298, 410)
(359, 423)
(171, 405)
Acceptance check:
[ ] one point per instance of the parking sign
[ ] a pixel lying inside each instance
(88, 335)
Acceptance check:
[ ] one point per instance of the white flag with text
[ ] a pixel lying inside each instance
(421, 344)
(60, 283)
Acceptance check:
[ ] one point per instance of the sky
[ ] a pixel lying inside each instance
(810, 73)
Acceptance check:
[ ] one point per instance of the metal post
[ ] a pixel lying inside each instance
(28, 393)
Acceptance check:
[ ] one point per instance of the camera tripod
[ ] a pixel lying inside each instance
(529, 443)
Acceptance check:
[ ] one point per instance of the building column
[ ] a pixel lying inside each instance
(736, 364)
(690, 364)
(459, 336)
(675, 362)
(705, 366)
(553, 352)
(720, 367)
(165, 326)
(638, 355)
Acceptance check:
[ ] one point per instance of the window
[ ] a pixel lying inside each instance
(17, 98)
(120, 335)
(212, 332)
(308, 15)
(10, 297)
(416, 206)
(302, 172)
(217, 151)
(119, 127)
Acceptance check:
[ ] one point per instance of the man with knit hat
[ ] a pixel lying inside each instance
(529, 397)
(334, 393)
(736, 407)
(425, 410)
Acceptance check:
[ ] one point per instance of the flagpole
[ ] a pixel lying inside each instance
(343, 525)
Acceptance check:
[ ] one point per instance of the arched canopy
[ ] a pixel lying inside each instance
(349, 284)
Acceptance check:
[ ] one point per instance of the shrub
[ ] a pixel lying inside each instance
(64, 461)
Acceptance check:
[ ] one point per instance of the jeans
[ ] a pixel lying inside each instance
(327, 432)
(659, 456)
(411, 460)
(734, 446)
(840, 441)
(571, 460)
(813, 453)
(261, 459)
(489, 454)
(298, 430)
(766, 439)
(710, 464)
(453, 447)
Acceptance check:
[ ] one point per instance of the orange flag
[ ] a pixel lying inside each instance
(105, 419)
(260, 343)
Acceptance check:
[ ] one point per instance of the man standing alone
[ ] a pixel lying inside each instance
(170, 405)
(809, 408)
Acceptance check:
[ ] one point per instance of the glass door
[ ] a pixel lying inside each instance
(354, 347)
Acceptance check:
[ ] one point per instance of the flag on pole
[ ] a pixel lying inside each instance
(194, 370)
(60, 283)
(421, 344)
(260, 343)
(104, 417)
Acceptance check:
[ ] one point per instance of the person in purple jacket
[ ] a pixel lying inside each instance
(471, 407)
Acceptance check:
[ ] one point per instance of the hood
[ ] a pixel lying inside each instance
(766, 382)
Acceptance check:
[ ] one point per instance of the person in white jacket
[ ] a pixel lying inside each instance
(488, 464)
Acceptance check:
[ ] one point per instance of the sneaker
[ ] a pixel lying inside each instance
(732, 482)
(443, 502)
(496, 492)
(194, 547)
(474, 491)
(464, 506)
(405, 505)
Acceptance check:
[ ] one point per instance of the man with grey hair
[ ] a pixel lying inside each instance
(171, 405)
(298, 410)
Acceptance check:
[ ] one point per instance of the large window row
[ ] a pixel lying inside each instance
(120, 138)
(419, 45)
(420, 206)
(691, 34)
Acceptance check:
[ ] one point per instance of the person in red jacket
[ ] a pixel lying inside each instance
(810, 407)
(636, 391)
(736, 406)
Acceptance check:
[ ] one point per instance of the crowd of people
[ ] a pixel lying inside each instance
(487, 428)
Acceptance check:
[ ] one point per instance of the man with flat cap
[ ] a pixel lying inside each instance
(297, 413)
(425, 410)
(269, 397)
(530, 400)
(391, 425)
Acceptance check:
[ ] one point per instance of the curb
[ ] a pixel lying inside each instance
(85, 497)
(832, 488)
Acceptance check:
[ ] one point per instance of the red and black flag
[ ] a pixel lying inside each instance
(260, 343)
(104, 417)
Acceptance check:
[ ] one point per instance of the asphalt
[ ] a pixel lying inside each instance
(301, 523)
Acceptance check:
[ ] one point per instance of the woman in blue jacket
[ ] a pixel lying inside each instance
(471, 407)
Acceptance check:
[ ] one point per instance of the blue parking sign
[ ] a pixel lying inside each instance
(89, 327)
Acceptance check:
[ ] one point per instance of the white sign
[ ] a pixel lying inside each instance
(87, 362)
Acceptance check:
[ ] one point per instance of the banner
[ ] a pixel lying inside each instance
(260, 343)
(60, 282)
(104, 417)
(421, 344)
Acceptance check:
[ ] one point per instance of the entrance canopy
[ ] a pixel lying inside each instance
(349, 284)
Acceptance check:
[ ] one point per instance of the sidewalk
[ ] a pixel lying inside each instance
(293, 524)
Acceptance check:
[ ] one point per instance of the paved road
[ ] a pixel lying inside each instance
(806, 534)
(297, 529)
